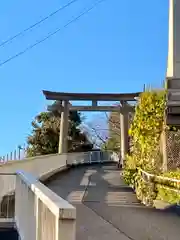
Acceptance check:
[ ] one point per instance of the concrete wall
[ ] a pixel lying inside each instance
(40, 213)
(40, 167)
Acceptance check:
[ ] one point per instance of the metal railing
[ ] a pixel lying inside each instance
(17, 154)
(91, 157)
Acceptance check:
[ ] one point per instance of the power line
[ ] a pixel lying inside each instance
(37, 23)
(51, 34)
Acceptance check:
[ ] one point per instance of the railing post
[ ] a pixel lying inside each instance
(99, 156)
(90, 157)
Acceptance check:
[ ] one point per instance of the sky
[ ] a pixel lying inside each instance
(117, 47)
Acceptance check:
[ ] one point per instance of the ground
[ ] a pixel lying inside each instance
(108, 209)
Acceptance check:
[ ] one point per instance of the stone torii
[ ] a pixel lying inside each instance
(62, 104)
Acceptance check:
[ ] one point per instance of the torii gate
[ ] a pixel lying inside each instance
(62, 104)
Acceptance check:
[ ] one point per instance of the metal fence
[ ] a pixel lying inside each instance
(17, 154)
(173, 150)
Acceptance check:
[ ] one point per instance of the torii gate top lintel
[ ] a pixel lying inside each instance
(62, 96)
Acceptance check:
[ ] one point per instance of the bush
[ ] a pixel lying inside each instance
(145, 132)
(145, 191)
(173, 174)
(146, 129)
(169, 191)
(167, 195)
(129, 177)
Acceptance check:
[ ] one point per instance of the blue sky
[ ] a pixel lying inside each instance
(117, 47)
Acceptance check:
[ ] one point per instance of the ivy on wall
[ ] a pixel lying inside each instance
(167, 190)
(145, 132)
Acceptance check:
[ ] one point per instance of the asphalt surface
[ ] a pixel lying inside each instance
(108, 209)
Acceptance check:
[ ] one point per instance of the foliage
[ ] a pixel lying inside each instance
(168, 190)
(146, 129)
(173, 175)
(145, 191)
(129, 177)
(45, 134)
(145, 132)
(111, 144)
(167, 194)
(113, 141)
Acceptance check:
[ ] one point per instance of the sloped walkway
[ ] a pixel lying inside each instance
(107, 209)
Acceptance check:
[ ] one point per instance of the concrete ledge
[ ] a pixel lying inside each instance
(13, 162)
(91, 163)
(167, 207)
(159, 204)
(49, 174)
(57, 205)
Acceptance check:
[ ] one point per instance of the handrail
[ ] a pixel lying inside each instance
(160, 177)
(40, 213)
(48, 197)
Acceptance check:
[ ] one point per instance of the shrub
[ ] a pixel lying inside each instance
(129, 177)
(145, 132)
(167, 190)
(167, 195)
(145, 191)
(146, 129)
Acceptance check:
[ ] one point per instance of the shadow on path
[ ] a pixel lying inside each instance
(108, 209)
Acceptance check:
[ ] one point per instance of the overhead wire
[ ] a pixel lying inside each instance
(52, 33)
(37, 23)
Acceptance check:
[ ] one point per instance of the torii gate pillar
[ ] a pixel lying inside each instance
(124, 124)
(63, 137)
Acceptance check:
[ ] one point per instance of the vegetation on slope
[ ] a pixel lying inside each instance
(145, 132)
(44, 138)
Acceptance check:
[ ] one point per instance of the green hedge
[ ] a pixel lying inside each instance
(145, 134)
(129, 177)
(145, 192)
(159, 189)
(166, 190)
(145, 131)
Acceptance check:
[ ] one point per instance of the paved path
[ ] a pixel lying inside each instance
(107, 209)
